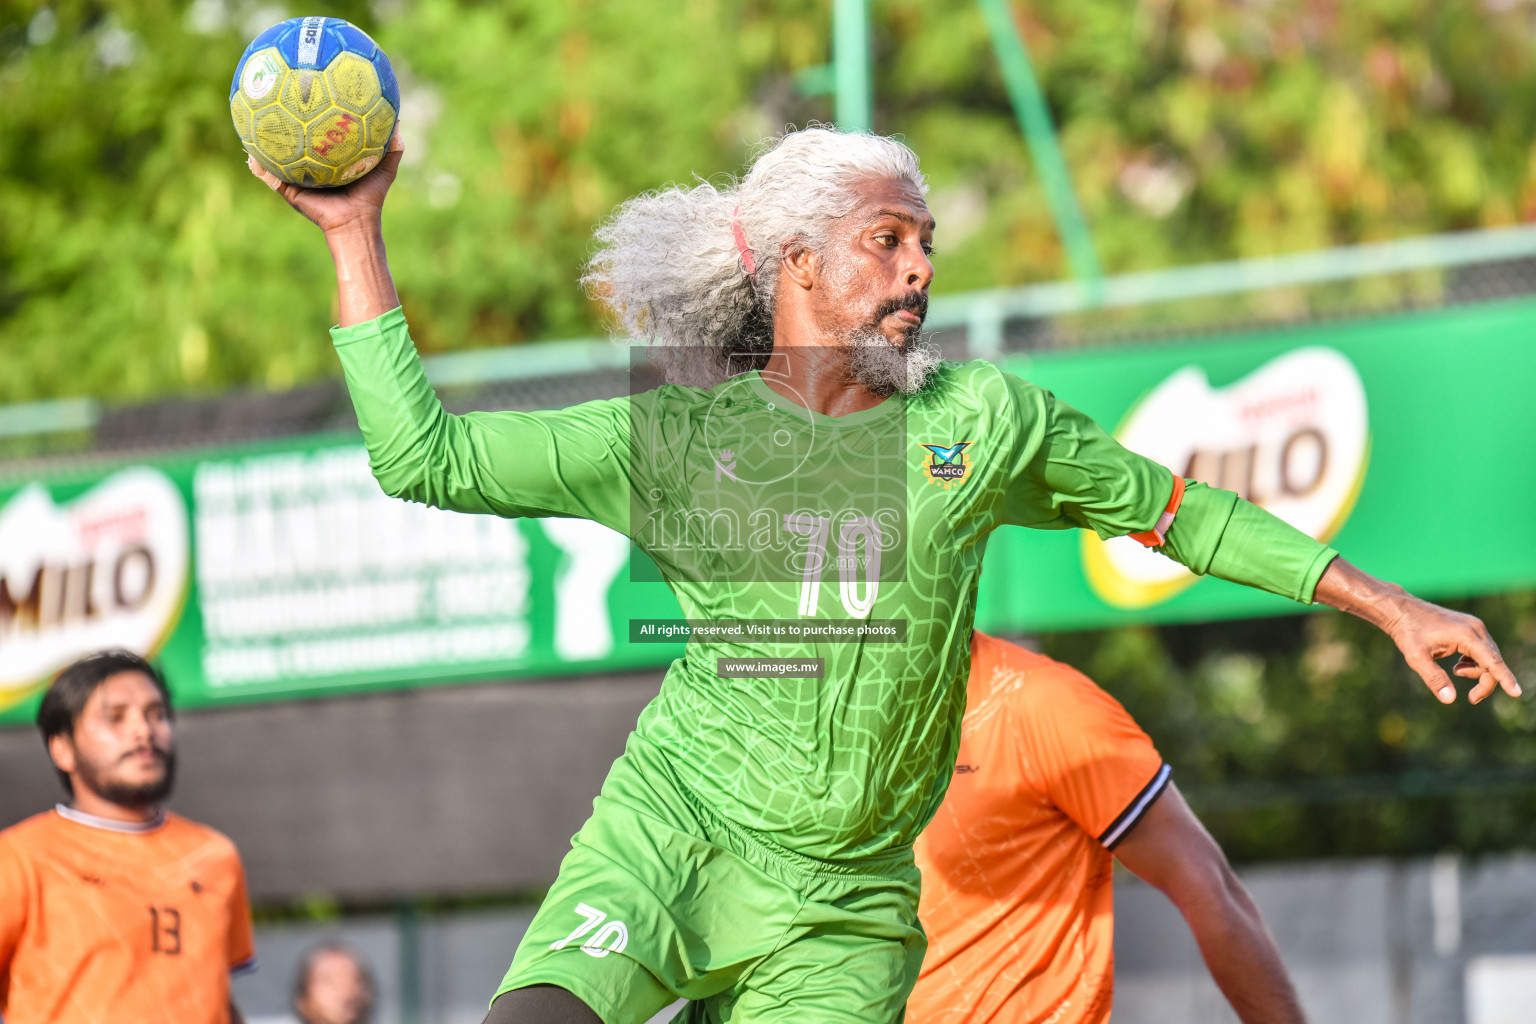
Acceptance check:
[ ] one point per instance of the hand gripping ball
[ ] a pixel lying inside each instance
(315, 101)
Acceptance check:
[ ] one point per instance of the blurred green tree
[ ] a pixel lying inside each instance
(1202, 129)
(137, 258)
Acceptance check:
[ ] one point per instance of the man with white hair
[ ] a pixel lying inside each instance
(751, 851)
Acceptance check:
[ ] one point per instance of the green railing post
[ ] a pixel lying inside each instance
(850, 63)
(1035, 121)
(408, 922)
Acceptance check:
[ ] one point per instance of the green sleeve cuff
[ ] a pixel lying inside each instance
(1195, 533)
(393, 320)
(1219, 534)
(1314, 575)
(1262, 550)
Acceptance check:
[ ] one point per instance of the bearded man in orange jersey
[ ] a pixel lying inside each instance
(112, 909)
(1053, 781)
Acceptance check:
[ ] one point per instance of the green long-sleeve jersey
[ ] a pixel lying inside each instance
(755, 508)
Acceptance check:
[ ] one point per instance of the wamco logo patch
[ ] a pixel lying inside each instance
(947, 466)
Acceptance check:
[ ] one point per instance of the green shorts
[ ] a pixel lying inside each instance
(661, 899)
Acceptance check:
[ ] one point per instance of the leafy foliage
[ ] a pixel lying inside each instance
(1202, 129)
(139, 258)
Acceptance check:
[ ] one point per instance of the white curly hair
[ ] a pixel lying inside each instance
(667, 264)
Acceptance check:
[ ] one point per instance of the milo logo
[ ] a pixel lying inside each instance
(1293, 437)
(108, 568)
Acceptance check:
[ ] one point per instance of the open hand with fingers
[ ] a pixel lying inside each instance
(1424, 632)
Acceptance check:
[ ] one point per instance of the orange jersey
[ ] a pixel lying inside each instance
(1017, 870)
(105, 921)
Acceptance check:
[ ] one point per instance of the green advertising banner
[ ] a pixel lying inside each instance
(1407, 442)
(280, 570)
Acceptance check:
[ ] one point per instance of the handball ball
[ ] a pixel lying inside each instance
(315, 101)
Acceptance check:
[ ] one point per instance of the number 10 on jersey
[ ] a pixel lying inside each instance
(859, 532)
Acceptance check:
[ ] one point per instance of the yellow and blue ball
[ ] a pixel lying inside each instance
(315, 101)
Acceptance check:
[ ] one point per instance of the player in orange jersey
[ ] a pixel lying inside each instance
(112, 909)
(1052, 776)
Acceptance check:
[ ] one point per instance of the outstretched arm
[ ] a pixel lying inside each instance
(1424, 632)
(1170, 850)
(1217, 532)
(1076, 474)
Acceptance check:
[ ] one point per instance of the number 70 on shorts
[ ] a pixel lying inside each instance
(601, 938)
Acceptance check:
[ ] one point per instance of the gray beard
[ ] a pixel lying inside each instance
(886, 369)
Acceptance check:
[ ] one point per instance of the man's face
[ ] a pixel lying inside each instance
(121, 749)
(873, 275)
(338, 991)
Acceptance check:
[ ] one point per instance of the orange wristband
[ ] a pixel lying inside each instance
(1154, 537)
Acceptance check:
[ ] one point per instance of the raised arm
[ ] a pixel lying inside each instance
(1169, 849)
(571, 462)
(353, 221)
